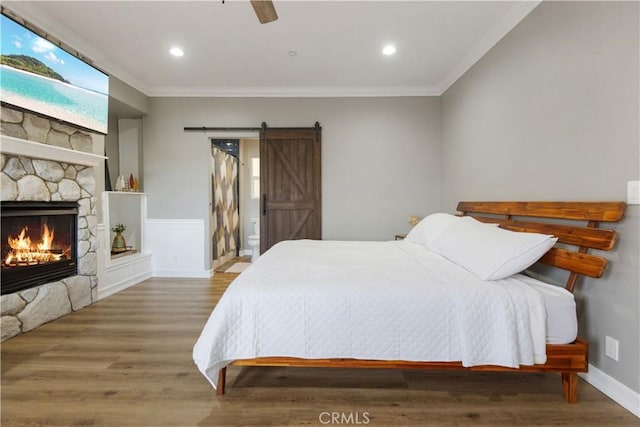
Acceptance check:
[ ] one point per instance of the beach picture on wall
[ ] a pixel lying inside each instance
(39, 76)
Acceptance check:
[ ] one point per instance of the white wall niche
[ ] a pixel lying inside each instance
(121, 271)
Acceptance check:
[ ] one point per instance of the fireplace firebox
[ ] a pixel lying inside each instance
(39, 243)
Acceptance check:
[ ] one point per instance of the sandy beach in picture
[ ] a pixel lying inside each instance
(78, 109)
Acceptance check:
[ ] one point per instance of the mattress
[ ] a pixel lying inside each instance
(560, 308)
(383, 301)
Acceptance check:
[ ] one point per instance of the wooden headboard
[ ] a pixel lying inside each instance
(514, 216)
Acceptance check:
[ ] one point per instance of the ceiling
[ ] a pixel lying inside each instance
(229, 53)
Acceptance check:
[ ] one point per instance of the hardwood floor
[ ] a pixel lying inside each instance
(126, 361)
(223, 267)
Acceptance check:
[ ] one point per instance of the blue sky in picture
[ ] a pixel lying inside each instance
(17, 40)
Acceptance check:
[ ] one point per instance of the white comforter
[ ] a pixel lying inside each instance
(370, 300)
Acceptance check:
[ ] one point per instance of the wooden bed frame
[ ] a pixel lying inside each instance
(566, 359)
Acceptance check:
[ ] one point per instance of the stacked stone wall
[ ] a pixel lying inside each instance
(31, 127)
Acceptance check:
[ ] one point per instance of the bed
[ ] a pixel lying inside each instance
(450, 296)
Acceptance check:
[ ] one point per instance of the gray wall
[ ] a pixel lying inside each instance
(551, 112)
(130, 149)
(126, 101)
(380, 157)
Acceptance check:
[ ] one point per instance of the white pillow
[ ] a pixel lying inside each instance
(430, 227)
(489, 252)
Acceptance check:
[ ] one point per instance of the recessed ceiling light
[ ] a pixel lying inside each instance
(389, 49)
(293, 53)
(176, 51)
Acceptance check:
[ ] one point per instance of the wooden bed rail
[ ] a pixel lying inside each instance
(566, 359)
(585, 211)
(584, 237)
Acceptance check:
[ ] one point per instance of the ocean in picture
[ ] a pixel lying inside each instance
(86, 108)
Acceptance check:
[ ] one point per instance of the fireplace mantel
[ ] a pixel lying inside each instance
(36, 150)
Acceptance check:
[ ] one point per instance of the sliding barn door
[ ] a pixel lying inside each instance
(290, 185)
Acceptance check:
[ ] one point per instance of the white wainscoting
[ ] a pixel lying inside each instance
(115, 275)
(124, 273)
(178, 247)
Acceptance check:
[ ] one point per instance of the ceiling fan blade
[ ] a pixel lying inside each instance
(264, 10)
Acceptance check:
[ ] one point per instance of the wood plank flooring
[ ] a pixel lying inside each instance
(126, 361)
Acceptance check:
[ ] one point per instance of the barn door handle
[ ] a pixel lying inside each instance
(264, 204)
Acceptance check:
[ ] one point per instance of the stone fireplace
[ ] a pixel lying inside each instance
(38, 244)
(48, 164)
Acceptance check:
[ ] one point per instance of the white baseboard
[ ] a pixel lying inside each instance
(195, 274)
(620, 393)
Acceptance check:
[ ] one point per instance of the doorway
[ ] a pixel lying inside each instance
(286, 167)
(249, 193)
(225, 196)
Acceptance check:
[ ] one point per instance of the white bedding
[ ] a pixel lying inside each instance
(371, 300)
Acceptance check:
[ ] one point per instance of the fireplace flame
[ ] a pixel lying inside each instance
(25, 253)
(21, 242)
(47, 239)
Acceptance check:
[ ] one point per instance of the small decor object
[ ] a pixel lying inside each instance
(119, 244)
(120, 183)
(131, 183)
(414, 220)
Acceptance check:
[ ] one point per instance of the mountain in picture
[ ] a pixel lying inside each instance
(30, 64)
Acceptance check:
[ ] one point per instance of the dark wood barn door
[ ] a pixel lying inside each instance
(290, 185)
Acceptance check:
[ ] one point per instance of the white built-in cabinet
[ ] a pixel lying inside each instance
(120, 271)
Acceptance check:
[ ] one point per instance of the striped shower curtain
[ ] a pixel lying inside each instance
(225, 219)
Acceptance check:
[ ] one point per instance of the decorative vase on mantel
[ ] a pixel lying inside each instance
(119, 244)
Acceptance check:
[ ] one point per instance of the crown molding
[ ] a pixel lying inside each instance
(294, 92)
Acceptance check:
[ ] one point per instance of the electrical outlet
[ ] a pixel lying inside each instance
(633, 192)
(611, 347)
